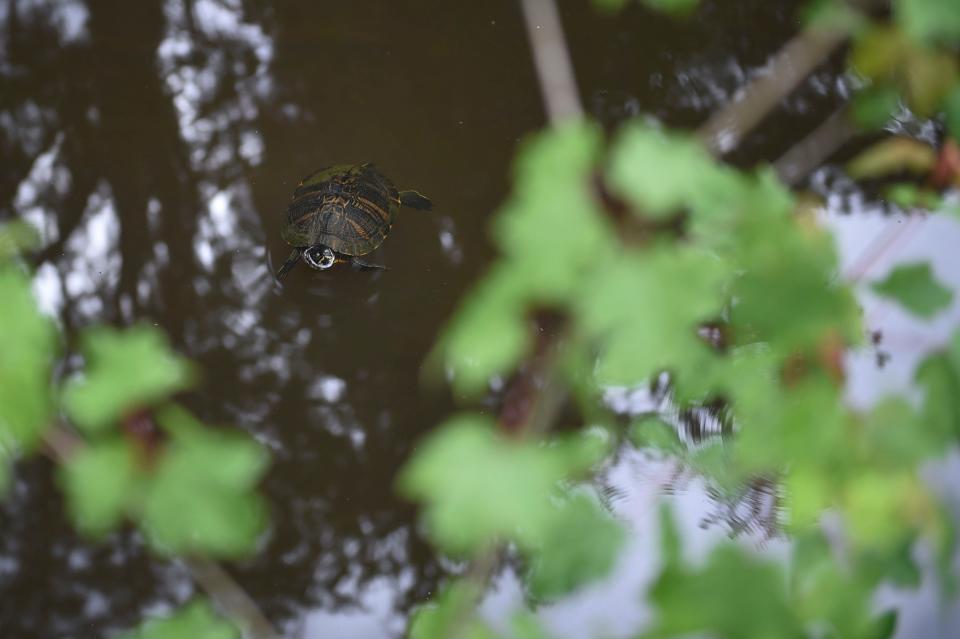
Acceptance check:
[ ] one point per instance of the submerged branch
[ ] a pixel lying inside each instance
(232, 600)
(794, 62)
(805, 156)
(552, 60)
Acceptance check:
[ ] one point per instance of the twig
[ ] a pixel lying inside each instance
(233, 601)
(805, 156)
(552, 60)
(541, 394)
(794, 62)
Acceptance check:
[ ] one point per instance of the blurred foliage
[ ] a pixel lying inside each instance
(27, 347)
(16, 237)
(449, 615)
(200, 498)
(916, 288)
(127, 370)
(891, 156)
(482, 487)
(193, 621)
(192, 494)
(136, 455)
(658, 259)
(715, 597)
(929, 21)
(675, 7)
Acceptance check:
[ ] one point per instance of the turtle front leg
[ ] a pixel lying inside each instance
(360, 265)
(415, 200)
(289, 264)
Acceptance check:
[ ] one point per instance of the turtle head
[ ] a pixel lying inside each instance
(319, 257)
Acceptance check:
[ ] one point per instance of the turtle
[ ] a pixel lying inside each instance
(342, 212)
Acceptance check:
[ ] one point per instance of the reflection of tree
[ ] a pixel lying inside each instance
(119, 129)
(168, 140)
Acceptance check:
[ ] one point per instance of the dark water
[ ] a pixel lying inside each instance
(157, 143)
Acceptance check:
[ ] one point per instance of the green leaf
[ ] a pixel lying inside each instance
(873, 107)
(194, 621)
(525, 626)
(98, 480)
(916, 289)
(879, 52)
(929, 21)
(896, 437)
(550, 229)
(674, 7)
(732, 595)
(580, 544)
(828, 595)
(885, 625)
(16, 236)
(939, 376)
(833, 15)
(893, 155)
(787, 294)
(952, 108)
(908, 196)
(670, 541)
(451, 614)
(479, 487)
(872, 502)
(610, 5)
(645, 311)
(804, 427)
(928, 78)
(126, 370)
(489, 334)
(551, 235)
(722, 202)
(201, 498)
(27, 348)
(659, 172)
(654, 433)
(6, 459)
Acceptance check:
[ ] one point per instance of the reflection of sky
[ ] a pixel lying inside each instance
(194, 84)
(67, 17)
(45, 184)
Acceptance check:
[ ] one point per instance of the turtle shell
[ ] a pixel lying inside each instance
(349, 207)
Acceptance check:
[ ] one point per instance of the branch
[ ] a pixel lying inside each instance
(805, 156)
(552, 60)
(794, 62)
(232, 600)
